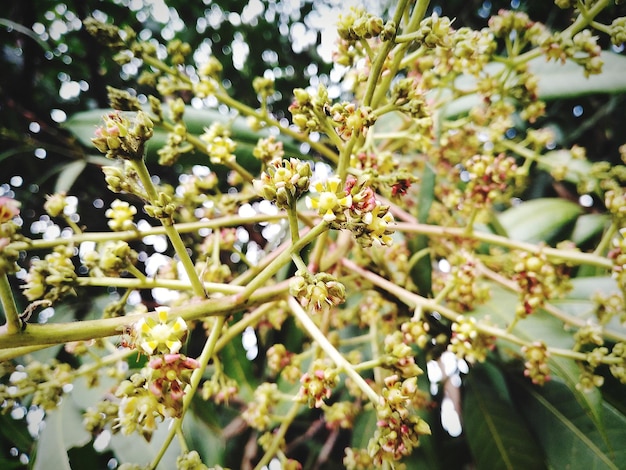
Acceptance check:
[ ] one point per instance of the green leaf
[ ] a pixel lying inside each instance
(558, 80)
(421, 270)
(547, 220)
(364, 428)
(566, 432)
(68, 175)
(238, 367)
(495, 431)
(63, 430)
(204, 439)
(588, 226)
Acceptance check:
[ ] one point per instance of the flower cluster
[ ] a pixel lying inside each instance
(309, 112)
(283, 362)
(220, 147)
(121, 137)
(284, 181)
(488, 177)
(618, 256)
(347, 119)
(536, 364)
(398, 427)
(258, 412)
(465, 290)
(467, 342)
(537, 279)
(53, 277)
(9, 210)
(358, 24)
(319, 291)
(400, 357)
(121, 214)
(317, 385)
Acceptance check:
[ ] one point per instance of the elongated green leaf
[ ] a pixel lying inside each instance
(68, 176)
(495, 431)
(364, 428)
(576, 168)
(421, 270)
(63, 430)
(238, 367)
(547, 220)
(540, 326)
(565, 431)
(558, 80)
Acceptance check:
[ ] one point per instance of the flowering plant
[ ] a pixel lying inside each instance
(326, 294)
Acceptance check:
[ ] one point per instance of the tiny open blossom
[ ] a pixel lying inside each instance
(332, 199)
(162, 336)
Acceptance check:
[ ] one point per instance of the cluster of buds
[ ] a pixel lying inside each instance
(112, 259)
(268, 149)
(508, 22)
(53, 277)
(121, 214)
(489, 177)
(264, 87)
(176, 143)
(537, 279)
(259, 410)
(320, 291)
(398, 428)
(615, 203)
(465, 292)
(163, 208)
(435, 31)
(341, 415)
(582, 49)
(409, 98)
(359, 24)
(471, 50)
(9, 210)
(191, 461)
(618, 368)
(536, 363)
(139, 410)
(97, 418)
(220, 146)
(45, 382)
(357, 459)
(347, 119)
(399, 356)
(317, 385)
(609, 306)
(55, 204)
(122, 138)
(617, 31)
(283, 362)
(284, 181)
(169, 374)
(220, 389)
(467, 342)
(308, 112)
(618, 255)
(416, 332)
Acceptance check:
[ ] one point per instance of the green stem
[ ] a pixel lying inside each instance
(322, 341)
(187, 227)
(179, 247)
(13, 324)
(35, 335)
(150, 283)
(569, 256)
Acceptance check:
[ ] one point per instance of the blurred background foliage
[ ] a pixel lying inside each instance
(52, 69)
